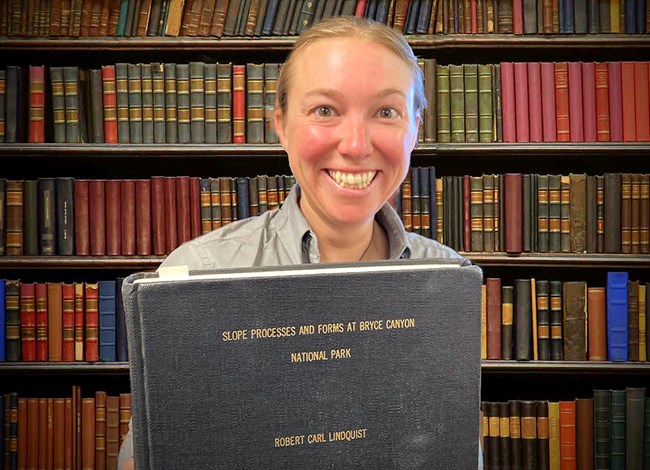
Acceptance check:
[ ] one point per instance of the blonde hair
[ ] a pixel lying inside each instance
(357, 28)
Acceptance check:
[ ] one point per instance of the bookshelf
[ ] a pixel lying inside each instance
(501, 379)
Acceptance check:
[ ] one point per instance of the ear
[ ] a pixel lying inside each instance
(278, 122)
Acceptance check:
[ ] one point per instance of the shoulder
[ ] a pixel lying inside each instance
(234, 245)
(422, 247)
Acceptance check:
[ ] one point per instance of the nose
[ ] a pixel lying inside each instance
(356, 139)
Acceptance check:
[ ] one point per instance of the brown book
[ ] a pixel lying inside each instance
(68, 429)
(513, 212)
(184, 229)
(113, 218)
(565, 214)
(100, 430)
(143, 217)
(543, 320)
(493, 313)
(55, 321)
(112, 431)
(567, 434)
(575, 320)
(14, 218)
(597, 324)
(507, 333)
(528, 435)
(626, 213)
(125, 414)
(97, 217)
(504, 435)
(171, 234)
(591, 215)
(49, 456)
(158, 215)
(644, 208)
(578, 208)
(542, 436)
(35, 433)
(613, 214)
(68, 322)
(58, 430)
(127, 217)
(81, 217)
(635, 404)
(585, 433)
(195, 206)
(88, 433)
(635, 226)
(633, 321)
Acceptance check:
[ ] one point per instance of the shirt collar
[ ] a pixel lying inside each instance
(302, 244)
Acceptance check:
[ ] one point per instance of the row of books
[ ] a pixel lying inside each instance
(62, 322)
(537, 102)
(490, 213)
(76, 432)
(518, 212)
(139, 103)
(610, 430)
(535, 319)
(224, 103)
(213, 18)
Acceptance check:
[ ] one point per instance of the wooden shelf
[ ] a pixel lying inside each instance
(488, 367)
(565, 367)
(490, 150)
(587, 260)
(561, 260)
(284, 43)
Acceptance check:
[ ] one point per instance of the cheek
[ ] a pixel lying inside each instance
(310, 144)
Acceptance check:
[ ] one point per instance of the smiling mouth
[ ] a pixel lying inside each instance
(352, 180)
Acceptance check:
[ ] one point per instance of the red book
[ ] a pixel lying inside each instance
(92, 322)
(549, 119)
(158, 215)
(518, 16)
(513, 212)
(27, 322)
(642, 101)
(171, 234)
(629, 95)
(238, 105)
(81, 218)
(195, 205)
(36, 104)
(589, 101)
(68, 323)
(97, 206)
(55, 321)
(568, 435)
(615, 101)
(113, 217)
(143, 216)
(473, 17)
(602, 102)
(360, 9)
(562, 101)
(40, 296)
(79, 320)
(127, 206)
(508, 101)
(110, 104)
(493, 322)
(184, 229)
(575, 102)
(521, 102)
(535, 101)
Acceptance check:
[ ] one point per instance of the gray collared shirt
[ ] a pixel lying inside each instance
(283, 237)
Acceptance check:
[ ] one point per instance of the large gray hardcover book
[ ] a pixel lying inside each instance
(368, 365)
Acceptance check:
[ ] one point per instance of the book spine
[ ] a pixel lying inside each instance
(47, 216)
(135, 103)
(523, 320)
(58, 104)
(617, 320)
(79, 321)
(456, 103)
(183, 224)
(27, 321)
(470, 76)
(210, 90)
(183, 102)
(562, 102)
(224, 100)
(255, 103)
(494, 321)
(110, 104)
(239, 103)
(68, 323)
(565, 213)
(36, 132)
(92, 322)
(94, 106)
(31, 233)
(171, 105)
(543, 320)
(589, 101)
(71, 85)
(97, 217)
(144, 200)
(147, 103)
(270, 87)
(197, 102)
(65, 229)
(443, 105)
(535, 101)
(122, 103)
(618, 429)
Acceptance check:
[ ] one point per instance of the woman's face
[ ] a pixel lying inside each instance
(349, 129)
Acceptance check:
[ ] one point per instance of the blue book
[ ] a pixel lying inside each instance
(107, 321)
(121, 353)
(433, 220)
(630, 17)
(243, 209)
(271, 10)
(617, 330)
(640, 16)
(2, 322)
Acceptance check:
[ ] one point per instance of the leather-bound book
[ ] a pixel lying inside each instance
(94, 106)
(490, 215)
(456, 103)
(18, 441)
(68, 433)
(158, 221)
(206, 204)
(58, 433)
(485, 433)
(528, 435)
(195, 206)
(633, 321)
(618, 429)
(543, 320)
(67, 301)
(40, 295)
(522, 115)
(554, 213)
(504, 435)
(613, 212)
(72, 108)
(81, 217)
(483, 322)
(528, 216)
(602, 102)
(183, 224)
(600, 213)
(556, 321)
(92, 322)
(644, 209)
(36, 131)
(64, 216)
(47, 216)
(35, 432)
(493, 318)
(576, 116)
(643, 323)
(628, 101)
(542, 214)
(79, 321)
(146, 86)
(125, 415)
(88, 432)
(523, 320)
(470, 79)
(109, 104)
(97, 217)
(55, 321)
(112, 431)
(585, 433)
(563, 121)
(476, 212)
(238, 103)
(602, 429)
(49, 407)
(575, 320)
(554, 435)
(615, 101)
(535, 99)
(107, 326)
(513, 212)
(626, 213)
(443, 104)
(596, 324)
(635, 410)
(224, 103)
(635, 205)
(169, 195)
(134, 93)
(27, 323)
(507, 333)
(113, 212)
(100, 430)
(591, 215)
(493, 438)
(568, 435)
(171, 104)
(127, 217)
(196, 102)
(565, 214)
(589, 101)
(542, 436)
(577, 211)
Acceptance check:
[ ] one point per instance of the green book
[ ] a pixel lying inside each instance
(147, 104)
(183, 103)
(443, 117)
(71, 86)
(618, 413)
(646, 434)
(224, 100)
(210, 90)
(255, 103)
(270, 87)
(470, 72)
(457, 103)
(602, 429)
(197, 102)
(158, 81)
(171, 107)
(135, 103)
(485, 110)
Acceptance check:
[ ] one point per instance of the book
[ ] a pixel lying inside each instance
(369, 359)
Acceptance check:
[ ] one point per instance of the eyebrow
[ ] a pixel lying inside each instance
(331, 93)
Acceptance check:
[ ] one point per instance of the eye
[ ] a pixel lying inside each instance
(324, 111)
(388, 113)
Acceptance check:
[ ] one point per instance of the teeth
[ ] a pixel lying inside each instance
(352, 180)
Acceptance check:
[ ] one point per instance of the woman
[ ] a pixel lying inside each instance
(350, 99)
